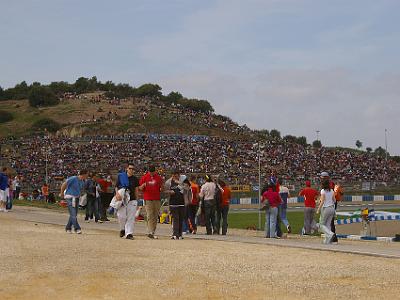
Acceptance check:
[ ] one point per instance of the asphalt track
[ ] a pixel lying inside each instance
(365, 248)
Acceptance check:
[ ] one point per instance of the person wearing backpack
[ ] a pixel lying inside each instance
(125, 201)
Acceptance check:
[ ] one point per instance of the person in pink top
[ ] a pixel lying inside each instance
(274, 200)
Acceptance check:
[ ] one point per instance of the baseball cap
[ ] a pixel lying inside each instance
(324, 174)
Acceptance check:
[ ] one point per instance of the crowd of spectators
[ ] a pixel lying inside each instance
(234, 160)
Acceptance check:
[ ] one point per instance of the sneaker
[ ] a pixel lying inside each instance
(289, 229)
(68, 231)
(130, 237)
(122, 233)
(174, 237)
(100, 221)
(78, 231)
(87, 221)
(334, 239)
(150, 236)
(180, 238)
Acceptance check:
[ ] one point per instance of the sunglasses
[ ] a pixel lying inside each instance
(130, 168)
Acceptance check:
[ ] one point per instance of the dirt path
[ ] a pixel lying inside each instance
(41, 261)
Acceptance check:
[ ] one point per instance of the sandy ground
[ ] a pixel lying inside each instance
(41, 261)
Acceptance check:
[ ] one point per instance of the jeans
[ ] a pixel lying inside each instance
(209, 211)
(16, 192)
(92, 208)
(152, 213)
(73, 214)
(192, 210)
(105, 203)
(309, 223)
(271, 221)
(222, 214)
(178, 213)
(327, 214)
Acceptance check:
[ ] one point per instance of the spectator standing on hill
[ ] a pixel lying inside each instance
(224, 206)
(3, 189)
(151, 184)
(207, 193)
(71, 190)
(327, 204)
(106, 194)
(274, 200)
(310, 196)
(174, 188)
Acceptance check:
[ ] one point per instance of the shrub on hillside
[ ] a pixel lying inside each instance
(46, 124)
(5, 116)
(42, 96)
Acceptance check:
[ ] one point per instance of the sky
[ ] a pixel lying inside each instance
(299, 66)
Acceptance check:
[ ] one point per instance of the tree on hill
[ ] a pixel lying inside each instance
(60, 87)
(173, 97)
(302, 140)
(42, 96)
(358, 144)
(46, 124)
(317, 144)
(5, 116)
(149, 90)
(18, 92)
(290, 138)
(380, 152)
(275, 134)
(1, 94)
(368, 149)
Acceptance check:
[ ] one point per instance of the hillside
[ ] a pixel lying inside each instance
(94, 114)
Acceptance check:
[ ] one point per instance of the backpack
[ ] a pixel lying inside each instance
(123, 180)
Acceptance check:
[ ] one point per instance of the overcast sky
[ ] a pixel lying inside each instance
(295, 65)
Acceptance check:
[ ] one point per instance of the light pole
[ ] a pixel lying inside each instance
(317, 131)
(386, 145)
(259, 187)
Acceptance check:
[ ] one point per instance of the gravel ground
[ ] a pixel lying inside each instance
(41, 261)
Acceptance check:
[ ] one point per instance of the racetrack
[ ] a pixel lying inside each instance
(41, 261)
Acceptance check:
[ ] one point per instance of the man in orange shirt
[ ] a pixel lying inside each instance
(310, 195)
(194, 206)
(224, 207)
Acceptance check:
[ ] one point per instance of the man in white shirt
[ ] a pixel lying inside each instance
(207, 193)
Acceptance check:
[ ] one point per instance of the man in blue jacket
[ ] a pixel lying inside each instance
(3, 189)
(71, 191)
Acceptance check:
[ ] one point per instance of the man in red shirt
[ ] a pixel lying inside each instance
(194, 206)
(151, 184)
(106, 194)
(310, 195)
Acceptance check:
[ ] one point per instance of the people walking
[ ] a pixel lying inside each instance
(151, 184)
(194, 206)
(3, 189)
(126, 201)
(207, 194)
(71, 190)
(310, 196)
(222, 213)
(274, 200)
(106, 194)
(90, 188)
(174, 188)
(285, 194)
(327, 209)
